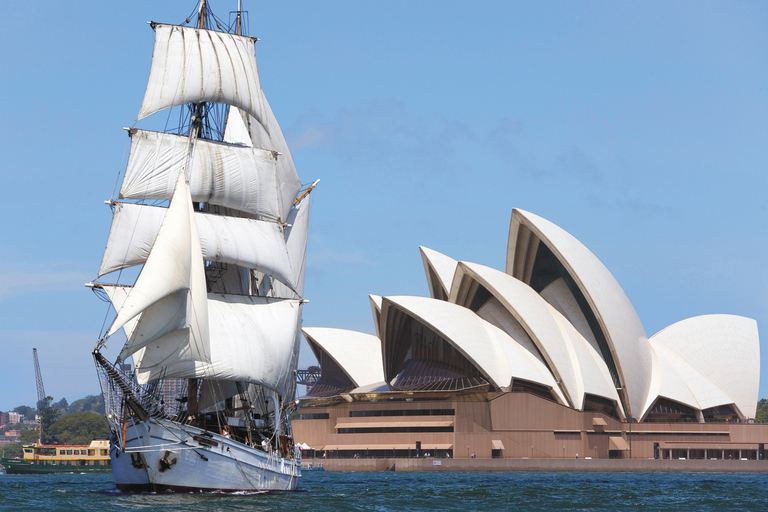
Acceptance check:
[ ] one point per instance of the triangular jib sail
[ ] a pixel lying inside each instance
(170, 293)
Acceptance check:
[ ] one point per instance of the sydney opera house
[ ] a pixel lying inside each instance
(546, 359)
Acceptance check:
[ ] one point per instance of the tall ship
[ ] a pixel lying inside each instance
(204, 267)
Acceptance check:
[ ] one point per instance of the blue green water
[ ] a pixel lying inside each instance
(393, 491)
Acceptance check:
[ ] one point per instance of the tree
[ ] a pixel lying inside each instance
(48, 416)
(61, 404)
(80, 428)
(89, 403)
(762, 411)
(29, 436)
(12, 450)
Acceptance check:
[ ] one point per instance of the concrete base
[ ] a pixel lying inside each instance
(593, 465)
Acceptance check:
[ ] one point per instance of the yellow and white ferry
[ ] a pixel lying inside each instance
(61, 459)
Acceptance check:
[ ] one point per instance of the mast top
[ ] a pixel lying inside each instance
(239, 11)
(202, 14)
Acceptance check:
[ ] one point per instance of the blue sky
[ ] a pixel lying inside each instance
(640, 128)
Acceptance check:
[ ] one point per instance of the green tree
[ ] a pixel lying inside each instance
(762, 411)
(93, 403)
(48, 416)
(61, 405)
(80, 428)
(29, 436)
(12, 450)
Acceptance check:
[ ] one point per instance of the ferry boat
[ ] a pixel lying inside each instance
(70, 458)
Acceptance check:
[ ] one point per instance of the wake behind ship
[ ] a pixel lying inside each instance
(215, 217)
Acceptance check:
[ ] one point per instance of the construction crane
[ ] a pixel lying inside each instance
(41, 398)
(40, 389)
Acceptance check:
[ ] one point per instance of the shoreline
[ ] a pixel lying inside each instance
(556, 465)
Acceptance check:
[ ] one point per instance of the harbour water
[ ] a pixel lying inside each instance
(393, 491)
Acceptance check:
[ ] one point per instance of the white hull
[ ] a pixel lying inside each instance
(162, 455)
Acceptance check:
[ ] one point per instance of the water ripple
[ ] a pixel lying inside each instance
(399, 491)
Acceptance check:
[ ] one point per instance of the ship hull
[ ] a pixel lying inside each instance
(162, 455)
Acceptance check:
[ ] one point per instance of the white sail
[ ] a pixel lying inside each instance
(234, 176)
(253, 339)
(132, 234)
(117, 295)
(170, 292)
(296, 241)
(235, 131)
(246, 242)
(192, 65)
(265, 133)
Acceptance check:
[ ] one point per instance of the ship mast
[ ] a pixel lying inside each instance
(194, 131)
(239, 10)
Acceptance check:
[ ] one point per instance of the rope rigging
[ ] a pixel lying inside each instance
(205, 410)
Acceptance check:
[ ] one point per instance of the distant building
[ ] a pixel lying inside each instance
(546, 359)
(15, 418)
(170, 390)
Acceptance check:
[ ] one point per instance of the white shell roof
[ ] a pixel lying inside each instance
(573, 360)
(665, 382)
(495, 354)
(617, 317)
(443, 268)
(723, 348)
(375, 301)
(357, 353)
(675, 379)
(560, 297)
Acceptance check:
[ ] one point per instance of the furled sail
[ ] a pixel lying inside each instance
(230, 175)
(246, 242)
(192, 65)
(170, 292)
(253, 339)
